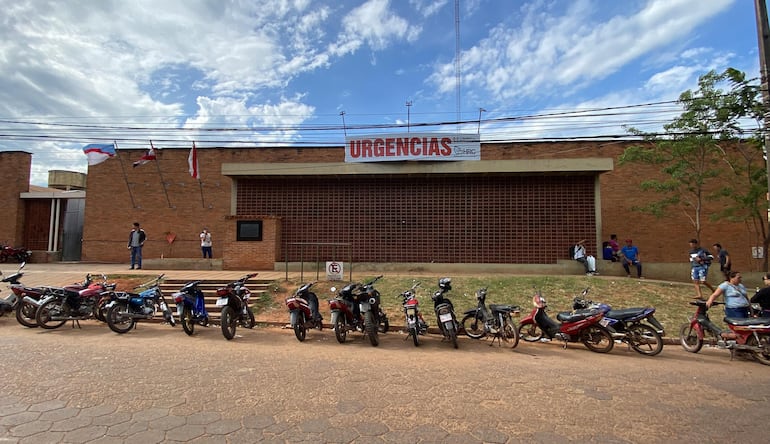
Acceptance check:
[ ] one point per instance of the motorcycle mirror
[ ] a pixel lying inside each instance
(538, 301)
(333, 289)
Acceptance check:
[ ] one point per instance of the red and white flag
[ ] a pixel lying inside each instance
(192, 163)
(148, 157)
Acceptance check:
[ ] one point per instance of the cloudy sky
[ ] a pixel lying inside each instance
(283, 71)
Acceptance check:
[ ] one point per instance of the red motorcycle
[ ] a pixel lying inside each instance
(577, 326)
(17, 254)
(303, 311)
(72, 303)
(750, 335)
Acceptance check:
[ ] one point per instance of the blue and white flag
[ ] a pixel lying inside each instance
(99, 152)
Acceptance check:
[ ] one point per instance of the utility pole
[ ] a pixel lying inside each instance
(408, 114)
(763, 35)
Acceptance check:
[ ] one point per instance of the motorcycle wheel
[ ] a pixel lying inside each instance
(689, 339)
(473, 326)
(644, 339)
(100, 312)
(228, 322)
(530, 332)
(510, 332)
(298, 324)
(25, 314)
(187, 321)
(597, 339)
(453, 337)
(119, 320)
(250, 321)
(415, 335)
(3, 258)
(764, 341)
(43, 314)
(384, 325)
(371, 329)
(339, 327)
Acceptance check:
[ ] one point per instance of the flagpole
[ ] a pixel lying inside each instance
(162, 182)
(192, 160)
(125, 177)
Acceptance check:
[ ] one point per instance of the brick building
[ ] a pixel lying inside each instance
(520, 203)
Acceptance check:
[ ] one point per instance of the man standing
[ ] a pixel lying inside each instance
(136, 240)
(699, 263)
(630, 256)
(206, 243)
(725, 264)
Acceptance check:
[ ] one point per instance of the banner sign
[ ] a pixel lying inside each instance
(412, 146)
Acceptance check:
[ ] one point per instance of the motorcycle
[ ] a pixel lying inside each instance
(234, 301)
(191, 307)
(626, 325)
(29, 299)
(357, 307)
(445, 313)
(494, 320)
(17, 254)
(415, 324)
(580, 326)
(127, 308)
(750, 335)
(8, 304)
(71, 303)
(303, 311)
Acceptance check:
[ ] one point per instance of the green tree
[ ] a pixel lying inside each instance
(711, 151)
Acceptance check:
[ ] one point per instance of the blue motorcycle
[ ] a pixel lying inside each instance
(126, 308)
(191, 307)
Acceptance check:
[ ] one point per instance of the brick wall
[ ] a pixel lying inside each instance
(539, 215)
(15, 168)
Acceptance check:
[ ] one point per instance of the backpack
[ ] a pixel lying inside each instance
(572, 252)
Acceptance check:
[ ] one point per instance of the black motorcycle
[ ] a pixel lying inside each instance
(357, 307)
(495, 320)
(445, 312)
(127, 308)
(234, 300)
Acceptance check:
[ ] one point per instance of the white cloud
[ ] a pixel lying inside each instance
(546, 52)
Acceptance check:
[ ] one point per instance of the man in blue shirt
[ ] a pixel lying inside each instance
(630, 256)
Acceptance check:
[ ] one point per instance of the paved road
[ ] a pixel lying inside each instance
(156, 384)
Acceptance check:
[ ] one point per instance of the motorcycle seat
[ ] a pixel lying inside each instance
(505, 308)
(625, 313)
(748, 321)
(568, 316)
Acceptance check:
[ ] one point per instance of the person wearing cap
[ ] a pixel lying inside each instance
(630, 256)
(206, 243)
(700, 260)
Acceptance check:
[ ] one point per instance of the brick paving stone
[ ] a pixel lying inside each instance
(30, 428)
(257, 421)
(203, 418)
(490, 435)
(10, 409)
(316, 425)
(85, 434)
(43, 438)
(148, 437)
(19, 418)
(59, 414)
(371, 428)
(223, 427)
(111, 419)
(46, 406)
(167, 423)
(185, 432)
(97, 410)
(69, 424)
(149, 414)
